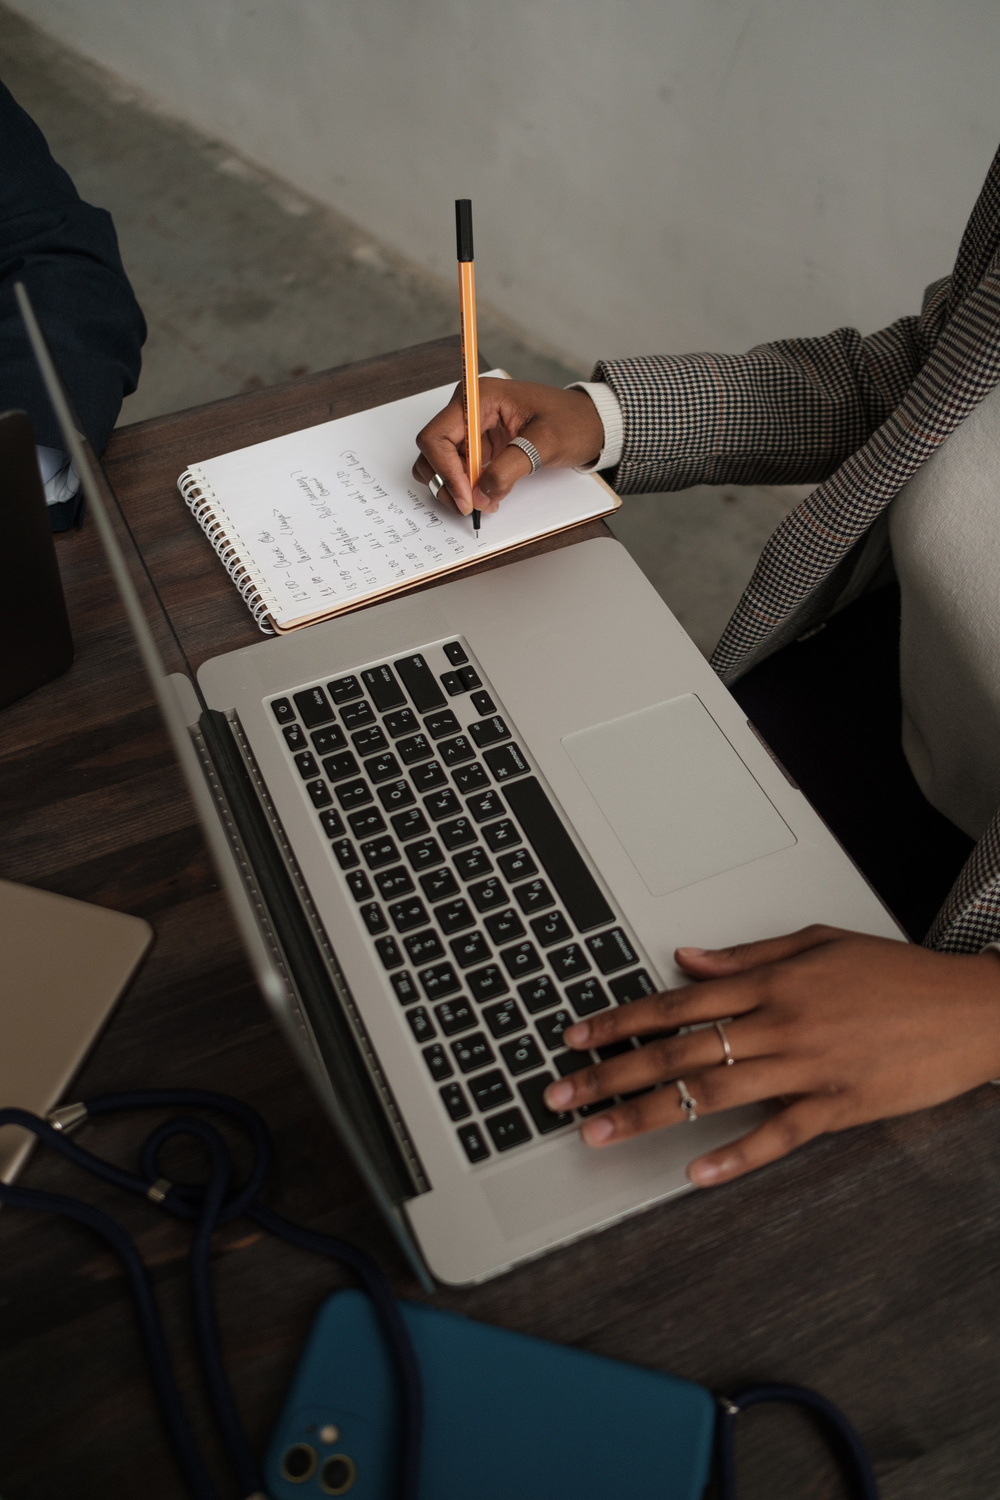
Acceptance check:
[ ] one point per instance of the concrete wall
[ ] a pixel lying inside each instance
(647, 175)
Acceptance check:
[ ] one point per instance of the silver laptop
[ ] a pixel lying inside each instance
(451, 824)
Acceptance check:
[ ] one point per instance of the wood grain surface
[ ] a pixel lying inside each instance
(865, 1265)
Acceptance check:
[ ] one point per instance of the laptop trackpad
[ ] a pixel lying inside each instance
(676, 793)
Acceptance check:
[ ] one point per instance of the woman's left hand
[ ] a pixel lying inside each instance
(838, 1027)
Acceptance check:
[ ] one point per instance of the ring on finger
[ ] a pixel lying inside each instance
(435, 484)
(530, 452)
(727, 1050)
(688, 1103)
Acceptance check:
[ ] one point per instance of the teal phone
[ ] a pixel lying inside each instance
(506, 1417)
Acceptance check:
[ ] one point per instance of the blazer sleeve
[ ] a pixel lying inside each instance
(785, 413)
(66, 253)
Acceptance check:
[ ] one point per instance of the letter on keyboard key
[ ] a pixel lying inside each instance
(488, 894)
(488, 731)
(410, 825)
(395, 882)
(313, 706)
(403, 721)
(611, 950)
(417, 747)
(569, 961)
(457, 832)
(379, 852)
(454, 1016)
(424, 853)
(486, 983)
(420, 683)
(383, 767)
(632, 986)
(504, 1018)
(501, 835)
(539, 994)
(531, 1092)
(442, 804)
(552, 928)
(505, 925)
(472, 1052)
(423, 948)
(470, 778)
(490, 1089)
(428, 776)
(367, 823)
(409, 914)
(438, 884)
(486, 805)
(521, 1055)
(521, 959)
(471, 949)
(353, 794)
(453, 915)
(587, 997)
(535, 896)
(551, 1028)
(456, 750)
(344, 689)
(438, 981)
(369, 741)
(397, 794)
(473, 862)
(355, 715)
(385, 690)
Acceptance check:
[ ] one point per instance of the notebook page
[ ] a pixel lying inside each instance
(326, 518)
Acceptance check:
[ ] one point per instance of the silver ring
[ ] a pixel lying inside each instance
(688, 1104)
(531, 451)
(435, 484)
(730, 1059)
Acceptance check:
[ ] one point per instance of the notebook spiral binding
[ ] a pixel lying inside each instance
(200, 501)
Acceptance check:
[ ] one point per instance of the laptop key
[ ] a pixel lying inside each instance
(452, 684)
(385, 691)
(423, 948)
(470, 778)
(420, 1023)
(438, 1062)
(359, 885)
(521, 1055)
(535, 895)
(472, 1052)
(337, 767)
(313, 706)
(319, 793)
(353, 794)
(456, 750)
(486, 983)
(356, 715)
(345, 853)
(438, 884)
(426, 777)
(295, 736)
(282, 710)
(614, 1049)
(489, 731)
(504, 1018)
(401, 721)
(442, 804)
(453, 915)
(406, 990)
(409, 914)
(410, 825)
(473, 1143)
(374, 918)
(418, 747)
(501, 835)
(365, 824)
(397, 794)
(457, 832)
(379, 852)
(332, 822)
(540, 994)
(522, 959)
(470, 677)
(473, 862)
(455, 1102)
(563, 862)
(344, 689)
(517, 866)
(490, 1089)
(383, 767)
(632, 986)
(531, 1091)
(504, 925)
(611, 950)
(551, 1028)
(438, 725)
(569, 961)
(454, 1016)
(488, 894)
(455, 653)
(508, 1129)
(487, 805)
(552, 928)
(438, 981)
(572, 1062)
(325, 741)
(587, 997)
(420, 682)
(506, 761)
(388, 952)
(470, 949)
(483, 703)
(395, 882)
(423, 853)
(368, 741)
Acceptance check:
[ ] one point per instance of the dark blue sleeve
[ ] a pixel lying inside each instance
(66, 253)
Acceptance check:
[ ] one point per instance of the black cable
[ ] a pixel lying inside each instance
(837, 1428)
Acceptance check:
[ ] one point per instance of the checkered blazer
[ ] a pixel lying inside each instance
(856, 415)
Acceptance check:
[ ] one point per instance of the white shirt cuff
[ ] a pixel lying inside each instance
(610, 412)
(60, 480)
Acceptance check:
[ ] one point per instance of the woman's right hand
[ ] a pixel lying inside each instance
(563, 425)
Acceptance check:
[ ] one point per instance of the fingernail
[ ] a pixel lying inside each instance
(576, 1036)
(596, 1132)
(691, 952)
(705, 1172)
(557, 1095)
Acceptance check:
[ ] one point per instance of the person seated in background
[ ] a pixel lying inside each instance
(865, 649)
(66, 253)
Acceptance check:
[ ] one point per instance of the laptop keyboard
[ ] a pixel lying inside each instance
(492, 932)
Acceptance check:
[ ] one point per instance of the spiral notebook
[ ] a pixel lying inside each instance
(318, 522)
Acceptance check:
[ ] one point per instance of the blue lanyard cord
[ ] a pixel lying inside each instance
(837, 1428)
(207, 1205)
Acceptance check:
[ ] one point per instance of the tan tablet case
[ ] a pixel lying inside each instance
(63, 966)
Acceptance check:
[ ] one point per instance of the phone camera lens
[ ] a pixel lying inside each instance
(299, 1463)
(338, 1474)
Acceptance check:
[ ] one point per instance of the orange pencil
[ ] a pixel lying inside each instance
(470, 351)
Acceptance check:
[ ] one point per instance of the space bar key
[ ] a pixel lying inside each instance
(543, 828)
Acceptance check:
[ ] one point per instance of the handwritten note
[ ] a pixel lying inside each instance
(329, 517)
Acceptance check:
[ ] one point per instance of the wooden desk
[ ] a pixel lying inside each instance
(865, 1265)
